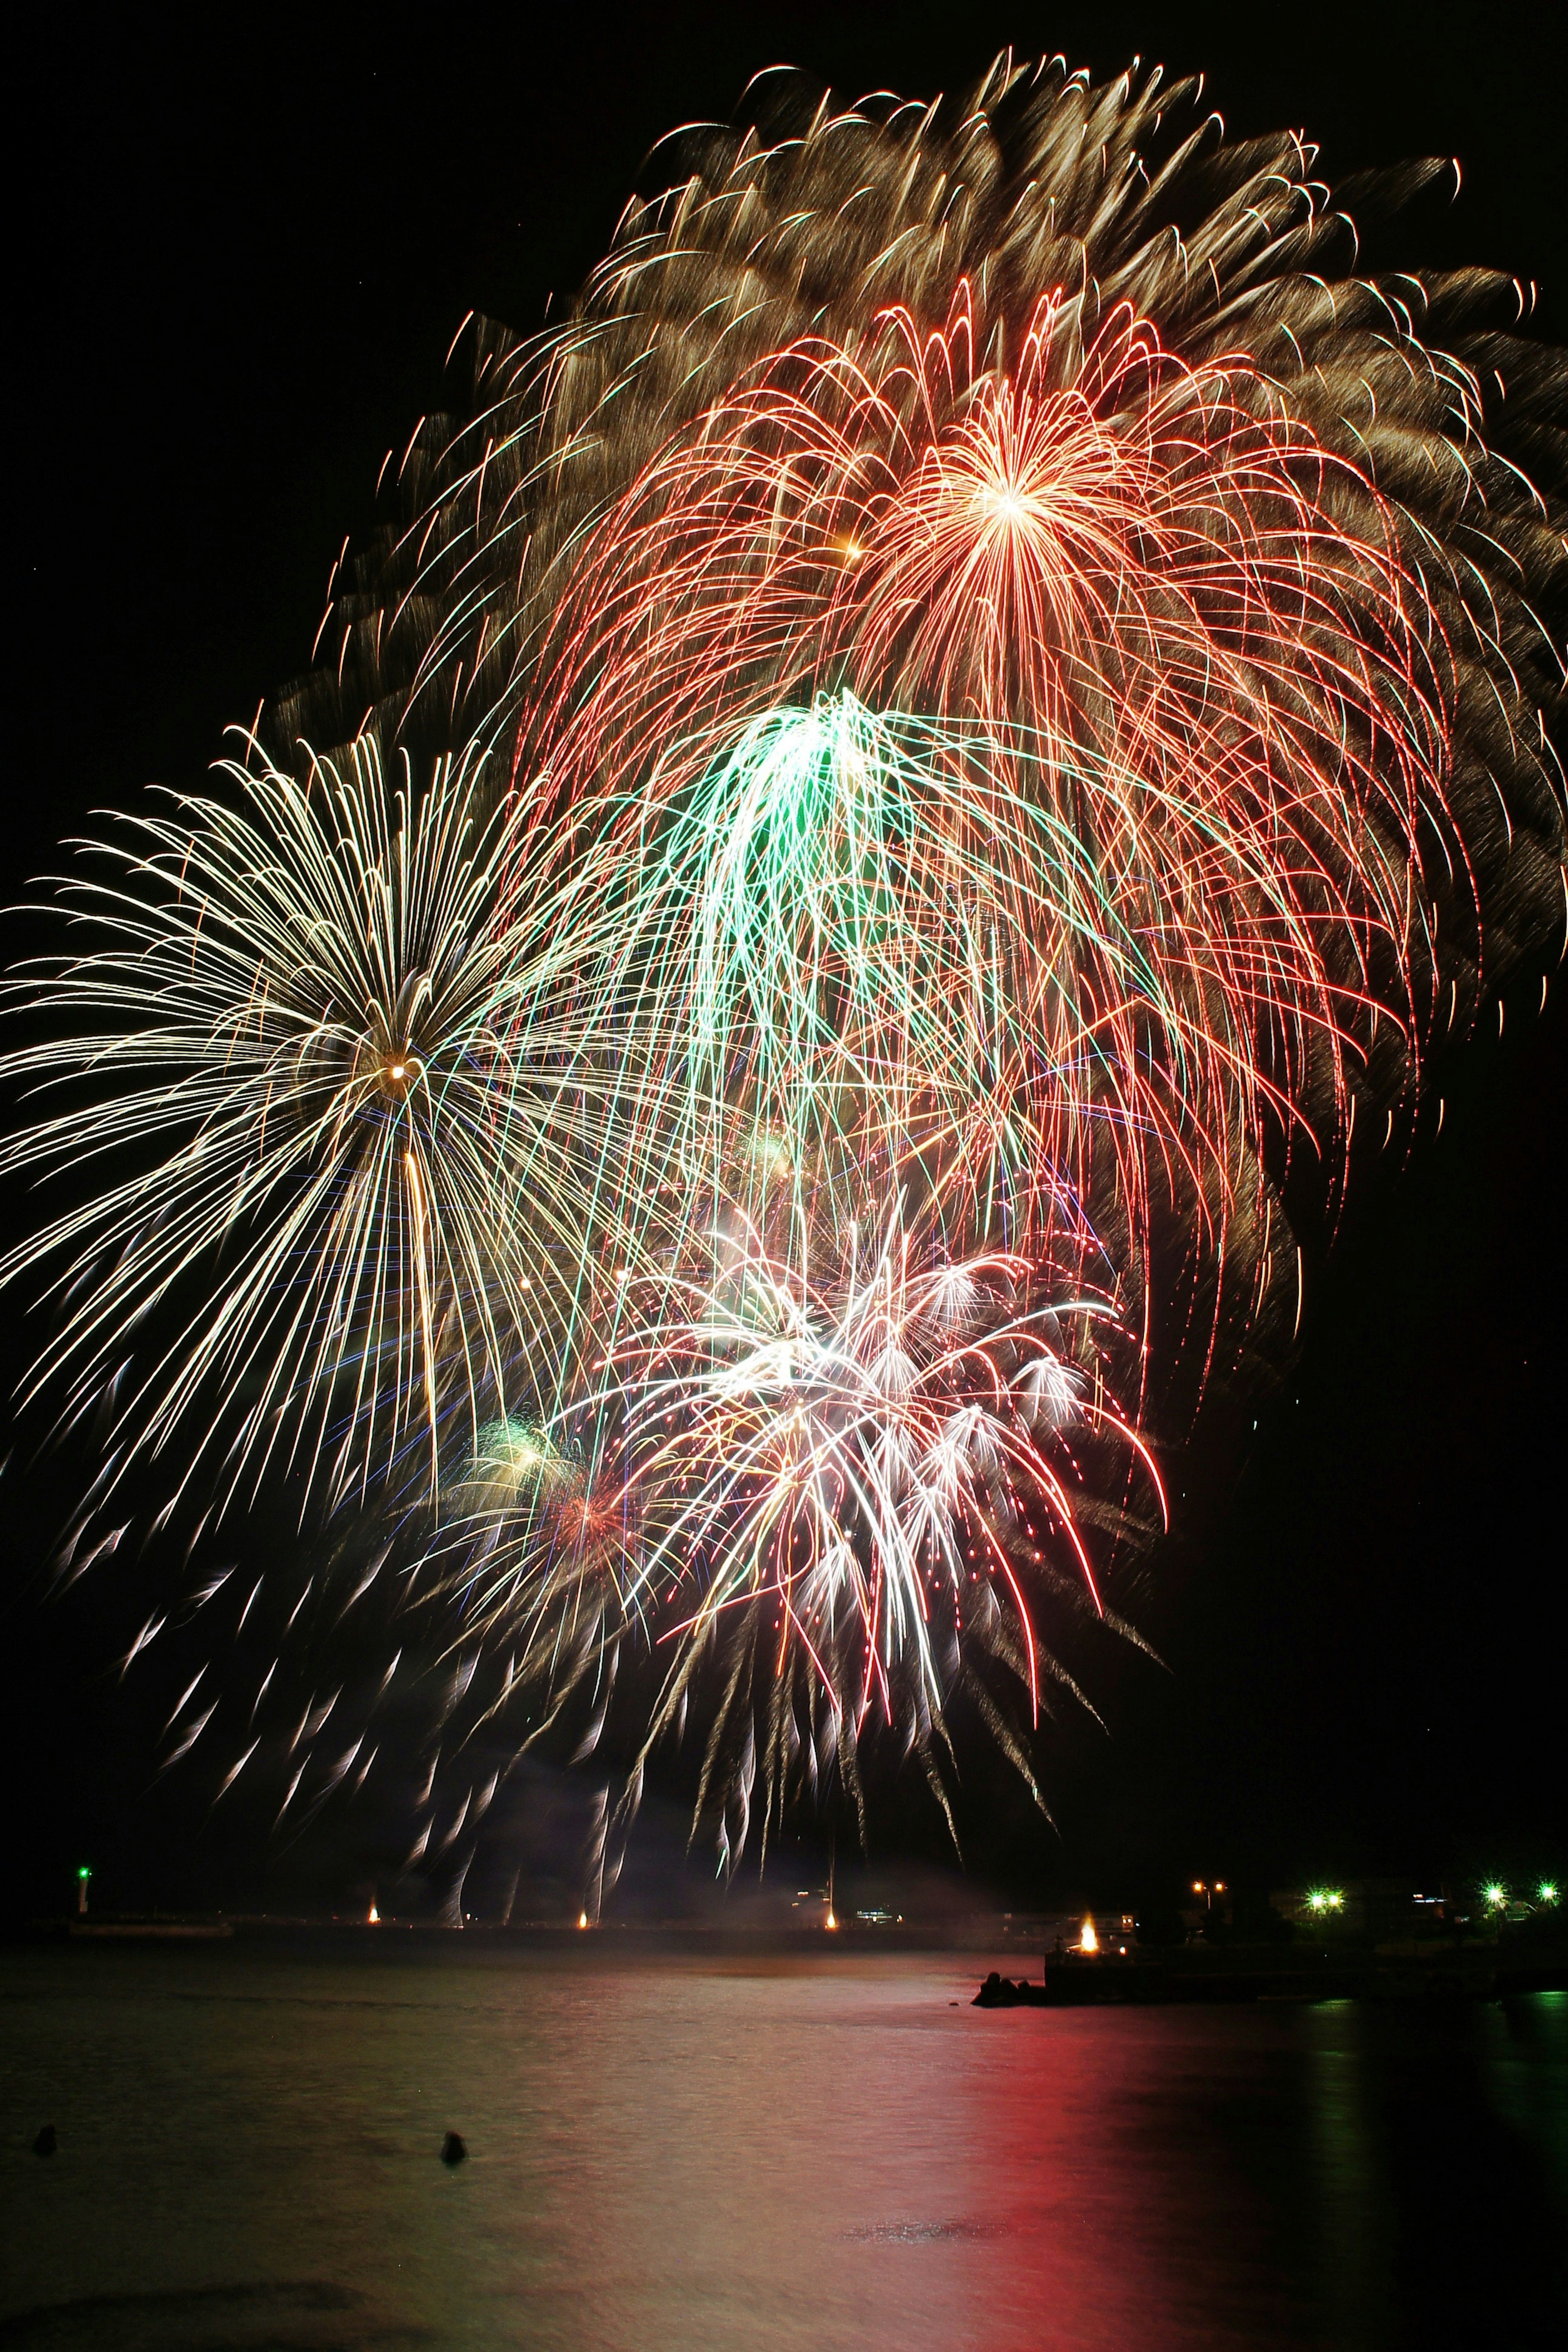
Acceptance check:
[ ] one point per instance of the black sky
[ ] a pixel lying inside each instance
(240, 247)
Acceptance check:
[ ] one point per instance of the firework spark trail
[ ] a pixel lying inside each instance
(814, 1485)
(902, 1400)
(312, 1045)
(974, 698)
(1139, 595)
(1221, 263)
(844, 951)
(1224, 263)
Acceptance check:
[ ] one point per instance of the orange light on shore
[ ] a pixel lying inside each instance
(374, 1918)
(582, 1919)
(1088, 1940)
(830, 1921)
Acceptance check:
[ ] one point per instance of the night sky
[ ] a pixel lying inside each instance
(237, 263)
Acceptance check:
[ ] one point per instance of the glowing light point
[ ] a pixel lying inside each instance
(373, 1920)
(1088, 1939)
(1547, 1891)
(582, 1919)
(831, 1921)
(1494, 1894)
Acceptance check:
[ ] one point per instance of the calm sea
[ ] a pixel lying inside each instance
(712, 2153)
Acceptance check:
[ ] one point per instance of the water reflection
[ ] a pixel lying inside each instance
(700, 2155)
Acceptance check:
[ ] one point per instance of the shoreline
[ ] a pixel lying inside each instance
(1467, 1968)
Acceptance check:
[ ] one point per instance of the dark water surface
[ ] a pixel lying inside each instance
(692, 2153)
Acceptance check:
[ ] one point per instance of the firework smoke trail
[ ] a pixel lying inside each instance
(977, 671)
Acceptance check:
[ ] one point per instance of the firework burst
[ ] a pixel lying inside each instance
(851, 1479)
(970, 705)
(287, 1072)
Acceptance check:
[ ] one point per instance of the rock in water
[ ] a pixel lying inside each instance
(453, 2151)
(46, 2141)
